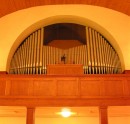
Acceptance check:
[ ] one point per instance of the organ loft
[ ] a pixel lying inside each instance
(65, 64)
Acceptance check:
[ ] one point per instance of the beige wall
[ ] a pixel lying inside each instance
(48, 115)
(119, 120)
(72, 120)
(12, 120)
(16, 26)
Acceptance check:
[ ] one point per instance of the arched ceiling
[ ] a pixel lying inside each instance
(9, 6)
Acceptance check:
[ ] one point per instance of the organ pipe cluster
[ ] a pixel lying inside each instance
(97, 56)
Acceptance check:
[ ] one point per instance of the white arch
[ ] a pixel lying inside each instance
(16, 26)
(63, 19)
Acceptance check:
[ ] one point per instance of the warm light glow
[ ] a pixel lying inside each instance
(65, 112)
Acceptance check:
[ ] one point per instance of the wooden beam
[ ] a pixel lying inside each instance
(61, 102)
(30, 119)
(103, 115)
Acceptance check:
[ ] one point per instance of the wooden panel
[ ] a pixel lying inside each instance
(51, 85)
(67, 87)
(126, 72)
(3, 72)
(8, 6)
(90, 90)
(69, 35)
(90, 87)
(113, 87)
(2, 87)
(64, 44)
(19, 87)
(44, 87)
(65, 69)
(128, 86)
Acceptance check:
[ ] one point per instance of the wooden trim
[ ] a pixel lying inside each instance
(3, 72)
(126, 72)
(61, 102)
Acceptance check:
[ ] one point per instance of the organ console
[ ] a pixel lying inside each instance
(65, 69)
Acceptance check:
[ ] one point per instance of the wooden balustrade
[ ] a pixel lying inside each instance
(66, 90)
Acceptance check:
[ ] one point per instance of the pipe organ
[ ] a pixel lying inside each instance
(97, 55)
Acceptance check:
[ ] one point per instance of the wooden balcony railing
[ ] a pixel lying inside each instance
(78, 90)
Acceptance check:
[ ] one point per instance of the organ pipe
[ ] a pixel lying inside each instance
(31, 55)
(97, 56)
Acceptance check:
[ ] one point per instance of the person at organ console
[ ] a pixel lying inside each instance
(63, 58)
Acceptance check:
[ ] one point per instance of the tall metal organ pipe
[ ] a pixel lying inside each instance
(97, 56)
